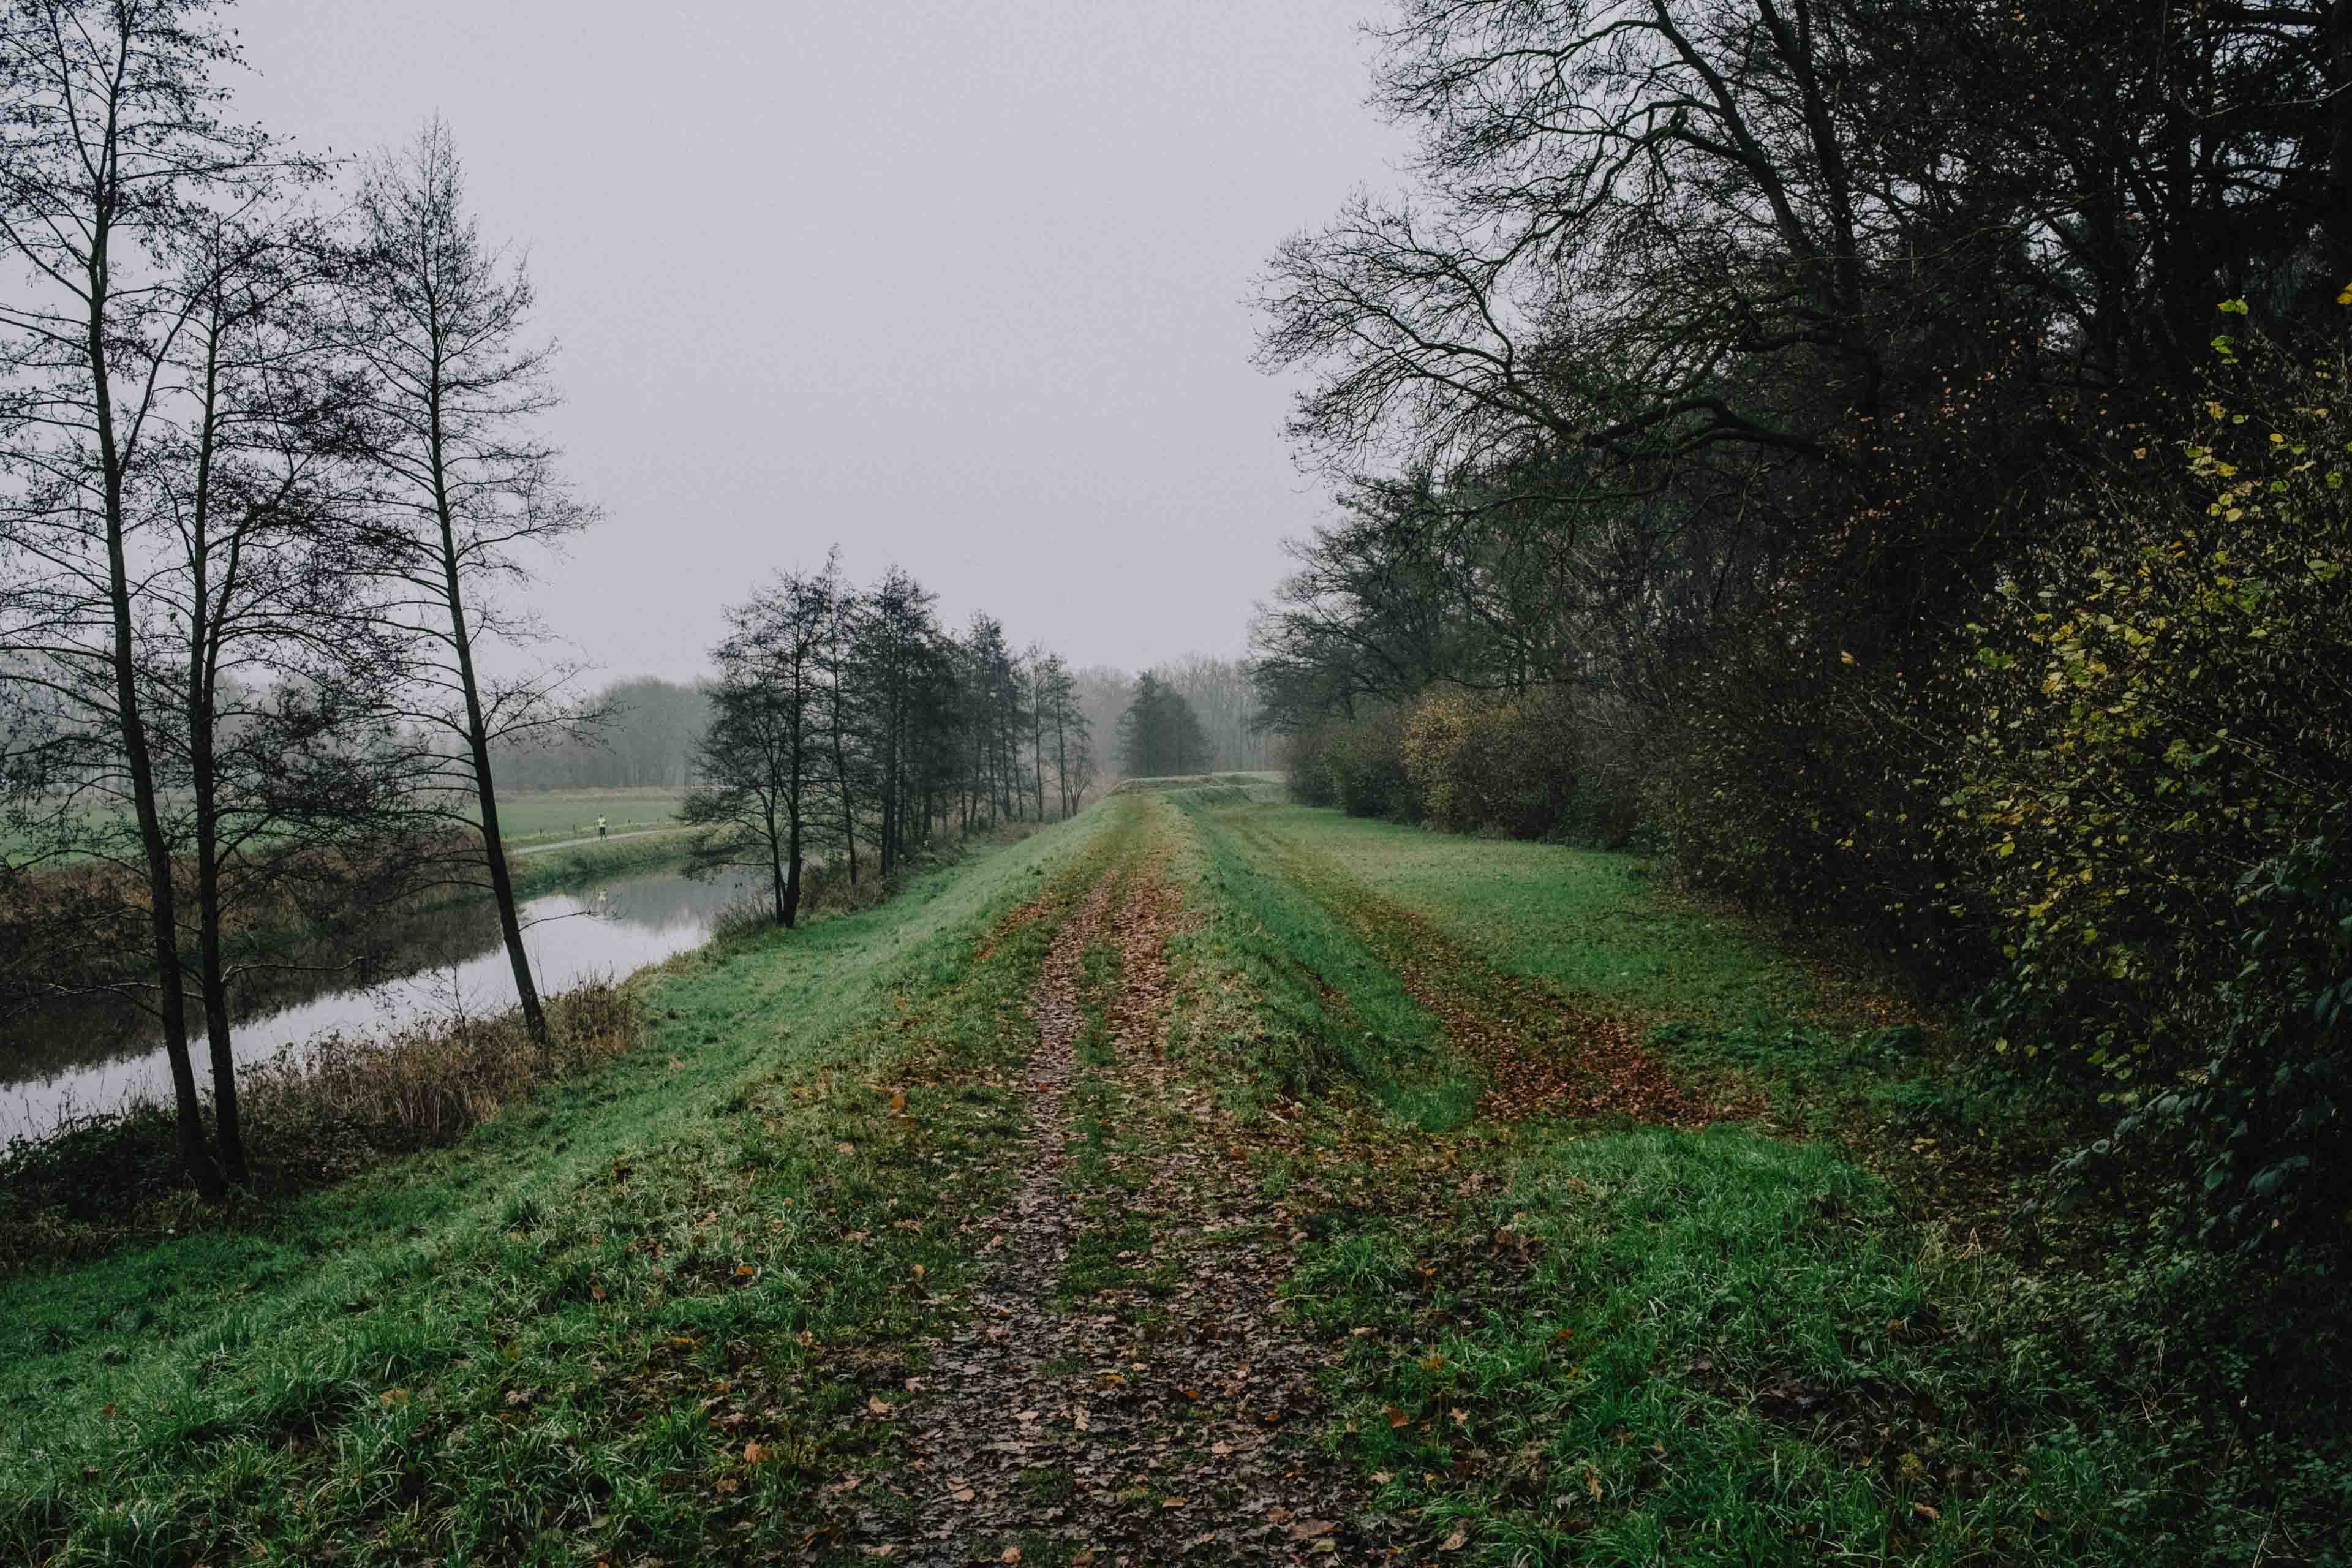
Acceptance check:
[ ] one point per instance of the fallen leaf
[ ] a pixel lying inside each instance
(754, 1453)
(1173, 1501)
(844, 1148)
(898, 1099)
(1456, 1542)
(1308, 1528)
(1398, 1417)
(1924, 1512)
(1382, 1477)
(388, 1398)
(964, 1494)
(877, 1408)
(745, 1269)
(1012, 1554)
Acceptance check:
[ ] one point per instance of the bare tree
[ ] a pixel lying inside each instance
(436, 318)
(270, 667)
(113, 137)
(760, 766)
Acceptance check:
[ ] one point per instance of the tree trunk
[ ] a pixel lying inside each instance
(477, 741)
(793, 866)
(162, 913)
(776, 870)
(202, 687)
(848, 806)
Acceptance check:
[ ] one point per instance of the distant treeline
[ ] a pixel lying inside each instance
(644, 738)
(647, 729)
(848, 723)
(1219, 693)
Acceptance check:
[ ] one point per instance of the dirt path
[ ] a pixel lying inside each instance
(1122, 1392)
(591, 838)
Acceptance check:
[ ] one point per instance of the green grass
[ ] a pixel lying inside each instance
(527, 819)
(552, 869)
(552, 1341)
(1579, 923)
(1329, 1009)
(1550, 1342)
(1565, 1342)
(1707, 1348)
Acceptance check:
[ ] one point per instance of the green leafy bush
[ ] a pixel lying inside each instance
(1355, 765)
(2163, 706)
(1492, 762)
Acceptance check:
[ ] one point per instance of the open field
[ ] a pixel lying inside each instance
(1205, 1176)
(542, 818)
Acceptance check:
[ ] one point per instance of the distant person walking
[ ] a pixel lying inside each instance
(599, 827)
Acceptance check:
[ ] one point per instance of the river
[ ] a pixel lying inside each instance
(96, 1058)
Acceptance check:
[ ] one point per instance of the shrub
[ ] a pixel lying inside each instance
(2161, 717)
(1506, 763)
(1301, 757)
(2261, 1129)
(1364, 761)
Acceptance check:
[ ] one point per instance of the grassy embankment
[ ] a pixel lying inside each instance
(1605, 1211)
(1600, 1339)
(622, 1319)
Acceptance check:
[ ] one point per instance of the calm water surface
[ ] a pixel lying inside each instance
(94, 1060)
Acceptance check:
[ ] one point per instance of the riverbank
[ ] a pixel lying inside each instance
(704, 1172)
(341, 1084)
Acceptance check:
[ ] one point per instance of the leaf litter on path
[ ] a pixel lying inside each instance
(1169, 1415)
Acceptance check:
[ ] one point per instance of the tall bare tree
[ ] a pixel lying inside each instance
(113, 139)
(437, 318)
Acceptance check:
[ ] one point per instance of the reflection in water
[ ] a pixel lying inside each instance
(95, 1057)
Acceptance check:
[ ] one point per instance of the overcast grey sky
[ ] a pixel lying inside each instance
(957, 283)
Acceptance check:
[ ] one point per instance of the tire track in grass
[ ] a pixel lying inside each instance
(1542, 1056)
(1121, 1393)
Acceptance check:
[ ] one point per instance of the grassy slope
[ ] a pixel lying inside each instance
(512, 1349)
(1595, 1344)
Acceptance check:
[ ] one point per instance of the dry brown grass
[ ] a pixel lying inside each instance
(314, 1116)
(422, 1087)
